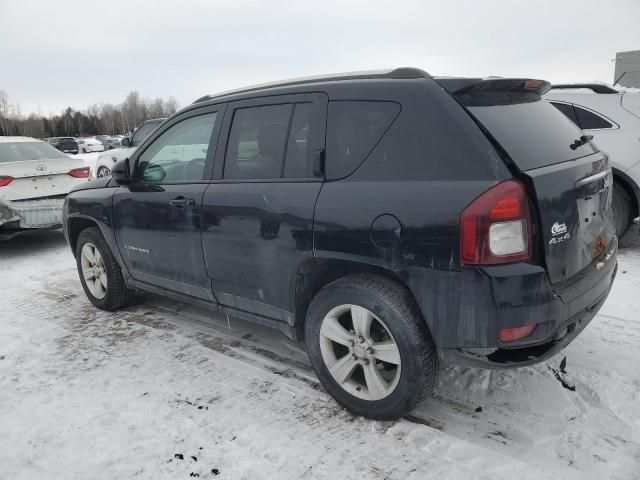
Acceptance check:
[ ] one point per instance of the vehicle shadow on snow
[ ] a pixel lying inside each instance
(31, 243)
(478, 405)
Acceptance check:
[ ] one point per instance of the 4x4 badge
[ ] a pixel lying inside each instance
(558, 228)
(559, 233)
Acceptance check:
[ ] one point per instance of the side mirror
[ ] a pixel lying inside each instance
(120, 172)
(126, 142)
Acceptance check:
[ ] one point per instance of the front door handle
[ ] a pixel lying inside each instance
(182, 202)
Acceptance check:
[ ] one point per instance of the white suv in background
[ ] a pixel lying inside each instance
(613, 118)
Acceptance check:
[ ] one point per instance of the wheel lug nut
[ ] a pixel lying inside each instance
(365, 362)
(360, 339)
(354, 356)
(352, 343)
(369, 350)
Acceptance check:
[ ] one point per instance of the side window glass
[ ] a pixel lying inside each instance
(179, 154)
(567, 109)
(141, 134)
(353, 130)
(588, 120)
(296, 163)
(257, 142)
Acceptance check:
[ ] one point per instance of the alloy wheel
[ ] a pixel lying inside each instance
(360, 352)
(93, 270)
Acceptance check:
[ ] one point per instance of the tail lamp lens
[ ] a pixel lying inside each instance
(4, 180)
(80, 172)
(496, 226)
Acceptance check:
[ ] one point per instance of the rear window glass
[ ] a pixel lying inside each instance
(257, 142)
(567, 109)
(533, 133)
(354, 128)
(22, 151)
(588, 120)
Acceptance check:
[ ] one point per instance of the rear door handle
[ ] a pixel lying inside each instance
(182, 202)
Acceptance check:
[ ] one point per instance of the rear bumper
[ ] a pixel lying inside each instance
(527, 353)
(479, 302)
(46, 213)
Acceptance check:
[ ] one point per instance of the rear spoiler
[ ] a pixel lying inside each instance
(461, 86)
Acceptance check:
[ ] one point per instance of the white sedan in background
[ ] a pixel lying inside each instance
(86, 145)
(35, 178)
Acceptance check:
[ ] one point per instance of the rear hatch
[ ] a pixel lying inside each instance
(31, 170)
(568, 179)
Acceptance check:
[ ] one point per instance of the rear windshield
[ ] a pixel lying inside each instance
(533, 132)
(21, 151)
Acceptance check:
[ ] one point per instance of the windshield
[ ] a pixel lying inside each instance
(143, 132)
(22, 151)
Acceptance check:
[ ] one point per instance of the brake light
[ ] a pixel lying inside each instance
(80, 172)
(496, 227)
(533, 84)
(4, 181)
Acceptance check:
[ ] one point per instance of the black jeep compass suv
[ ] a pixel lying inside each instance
(392, 221)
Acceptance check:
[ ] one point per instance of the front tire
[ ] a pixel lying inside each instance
(370, 347)
(622, 211)
(99, 272)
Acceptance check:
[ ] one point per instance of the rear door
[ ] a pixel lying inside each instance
(258, 211)
(157, 217)
(569, 177)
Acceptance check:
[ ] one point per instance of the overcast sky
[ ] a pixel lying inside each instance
(58, 53)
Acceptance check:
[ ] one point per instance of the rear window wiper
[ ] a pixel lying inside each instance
(581, 141)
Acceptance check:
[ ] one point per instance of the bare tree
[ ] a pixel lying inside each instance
(172, 106)
(105, 118)
(4, 112)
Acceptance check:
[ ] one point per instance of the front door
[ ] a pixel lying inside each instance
(258, 210)
(157, 217)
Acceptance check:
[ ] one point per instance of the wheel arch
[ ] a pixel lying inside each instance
(75, 225)
(630, 186)
(316, 273)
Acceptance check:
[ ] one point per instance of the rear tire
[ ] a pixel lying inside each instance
(99, 272)
(383, 369)
(103, 172)
(622, 211)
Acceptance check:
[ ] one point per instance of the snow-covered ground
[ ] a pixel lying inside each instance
(166, 391)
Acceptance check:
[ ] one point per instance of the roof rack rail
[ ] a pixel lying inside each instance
(596, 87)
(397, 73)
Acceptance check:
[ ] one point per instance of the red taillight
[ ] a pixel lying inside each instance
(516, 333)
(80, 172)
(4, 181)
(496, 227)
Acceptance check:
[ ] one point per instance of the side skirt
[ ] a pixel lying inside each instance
(283, 327)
